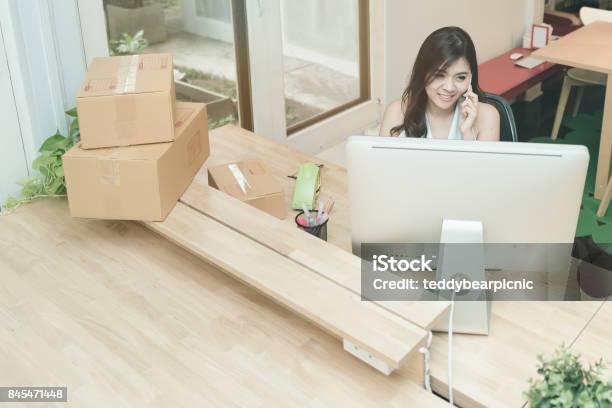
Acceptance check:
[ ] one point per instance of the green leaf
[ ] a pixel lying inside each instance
(11, 203)
(41, 161)
(54, 187)
(72, 112)
(75, 131)
(52, 142)
(26, 181)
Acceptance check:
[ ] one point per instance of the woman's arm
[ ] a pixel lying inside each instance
(487, 122)
(393, 117)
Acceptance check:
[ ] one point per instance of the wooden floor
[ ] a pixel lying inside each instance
(123, 317)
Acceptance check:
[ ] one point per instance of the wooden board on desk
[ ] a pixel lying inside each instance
(310, 295)
(335, 264)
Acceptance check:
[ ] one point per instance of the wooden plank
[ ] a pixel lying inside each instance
(333, 308)
(337, 265)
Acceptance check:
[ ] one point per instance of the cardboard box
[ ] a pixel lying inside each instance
(127, 100)
(260, 189)
(138, 182)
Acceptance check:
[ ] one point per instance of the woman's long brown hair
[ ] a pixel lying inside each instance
(439, 50)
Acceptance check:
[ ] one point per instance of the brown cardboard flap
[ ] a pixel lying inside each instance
(128, 74)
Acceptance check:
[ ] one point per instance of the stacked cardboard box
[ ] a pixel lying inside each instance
(139, 149)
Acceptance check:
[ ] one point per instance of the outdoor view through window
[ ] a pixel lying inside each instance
(320, 46)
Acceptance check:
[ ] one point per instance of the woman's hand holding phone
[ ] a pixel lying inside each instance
(468, 106)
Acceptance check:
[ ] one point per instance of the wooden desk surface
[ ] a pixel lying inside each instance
(123, 317)
(588, 47)
(595, 342)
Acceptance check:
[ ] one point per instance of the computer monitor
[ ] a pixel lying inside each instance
(401, 190)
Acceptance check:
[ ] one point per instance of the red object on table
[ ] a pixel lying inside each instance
(501, 77)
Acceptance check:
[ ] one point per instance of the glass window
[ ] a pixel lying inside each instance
(199, 33)
(325, 58)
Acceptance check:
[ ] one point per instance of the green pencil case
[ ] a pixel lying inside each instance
(307, 186)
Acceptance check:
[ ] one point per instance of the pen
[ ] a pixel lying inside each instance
(319, 211)
(306, 214)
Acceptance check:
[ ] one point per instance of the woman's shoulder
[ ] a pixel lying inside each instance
(487, 109)
(394, 116)
(396, 108)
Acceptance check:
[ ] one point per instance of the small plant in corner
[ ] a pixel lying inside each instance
(49, 178)
(564, 382)
(129, 45)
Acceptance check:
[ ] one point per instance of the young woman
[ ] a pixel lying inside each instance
(442, 100)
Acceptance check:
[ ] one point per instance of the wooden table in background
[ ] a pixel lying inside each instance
(589, 47)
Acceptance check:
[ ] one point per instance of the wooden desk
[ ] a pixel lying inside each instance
(501, 77)
(589, 48)
(595, 342)
(489, 370)
(123, 317)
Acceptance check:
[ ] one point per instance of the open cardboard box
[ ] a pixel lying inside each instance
(249, 181)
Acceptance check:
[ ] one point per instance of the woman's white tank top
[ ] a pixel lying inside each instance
(454, 133)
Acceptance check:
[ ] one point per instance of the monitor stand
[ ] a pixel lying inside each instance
(472, 309)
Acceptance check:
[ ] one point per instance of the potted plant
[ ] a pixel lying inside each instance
(564, 382)
(129, 45)
(49, 178)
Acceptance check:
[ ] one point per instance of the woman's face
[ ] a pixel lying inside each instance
(449, 84)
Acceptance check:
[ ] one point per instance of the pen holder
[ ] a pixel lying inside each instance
(318, 230)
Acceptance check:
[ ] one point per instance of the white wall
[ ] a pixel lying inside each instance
(495, 26)
(12, 155)
(44, 64)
